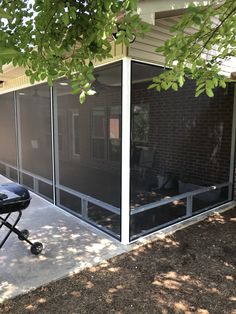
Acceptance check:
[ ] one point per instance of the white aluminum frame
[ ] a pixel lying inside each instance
(125, 160)
(56, 146)
(16, 135)
(52, 144)
(233, 140)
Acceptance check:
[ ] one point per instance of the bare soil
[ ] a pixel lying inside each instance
(191, 271)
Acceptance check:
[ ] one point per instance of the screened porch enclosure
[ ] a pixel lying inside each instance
(180, 151)
(67, 152)
(130, 160)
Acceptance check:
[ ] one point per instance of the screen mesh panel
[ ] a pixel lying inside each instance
(35, 126)
(35, 132)
(179, 144)
(89, 141)
(87, 163)
(7, 130)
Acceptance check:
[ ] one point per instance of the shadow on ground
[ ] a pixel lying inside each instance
(192, 271)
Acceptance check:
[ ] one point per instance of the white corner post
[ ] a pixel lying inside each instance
(125, 166)
(232, 157)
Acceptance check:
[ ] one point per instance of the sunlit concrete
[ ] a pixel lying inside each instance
(69, 246)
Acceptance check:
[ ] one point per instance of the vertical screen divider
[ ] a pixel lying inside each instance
(18, 125)
(56, 146)
(17, 136)
(232, 156)
(52, 144)
(125, 172)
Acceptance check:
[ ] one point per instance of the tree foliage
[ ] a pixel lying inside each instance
(199, 55)
(55, 38)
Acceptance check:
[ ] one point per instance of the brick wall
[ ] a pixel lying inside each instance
(191, 137)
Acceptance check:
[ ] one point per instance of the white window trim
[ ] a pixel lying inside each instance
(74, 154)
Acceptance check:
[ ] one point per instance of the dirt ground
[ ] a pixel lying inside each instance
(192, 271)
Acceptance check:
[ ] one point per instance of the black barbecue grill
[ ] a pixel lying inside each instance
(13, 199)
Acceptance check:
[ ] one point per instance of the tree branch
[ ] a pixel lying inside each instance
(215, 31)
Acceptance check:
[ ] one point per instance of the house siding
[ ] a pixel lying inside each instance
(144, 48)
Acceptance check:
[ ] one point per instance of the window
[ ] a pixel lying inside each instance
(60, 132)
(106, 133)
(75, 135)
(98, 133)
(114, 134)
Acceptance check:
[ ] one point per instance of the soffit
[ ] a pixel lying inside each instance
(11, 72)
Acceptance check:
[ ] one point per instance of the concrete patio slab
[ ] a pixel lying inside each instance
(70, 245)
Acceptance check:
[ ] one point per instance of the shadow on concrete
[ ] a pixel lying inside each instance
(69, 246)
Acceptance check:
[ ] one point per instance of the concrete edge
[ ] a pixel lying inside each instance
(160, 234)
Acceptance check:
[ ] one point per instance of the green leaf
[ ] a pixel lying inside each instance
(4, 14)
(82, 97)
(200, 86)
(152, 86)
(66, 18)
(43, 76)
(164, 85)
(91, 92)
(90, 76)
(160, 49)
(72, 13)
(32, 80)
(209, 92)
(222, 84)
(50, 81)
(196, 19)
(215, 81)
(181, 80)
(174, 87)
(75, 90)
(126, 41)
(199, 92)
(209, 84)
(7, 52)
